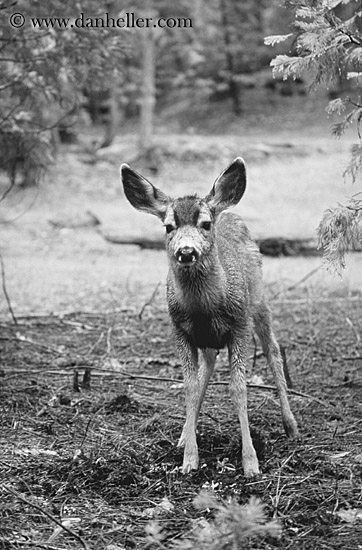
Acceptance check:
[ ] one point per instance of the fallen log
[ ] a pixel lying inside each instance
(142, 242)
(272, 246)
(279, 246)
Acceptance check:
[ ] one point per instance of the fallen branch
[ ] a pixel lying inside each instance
(109, 372)
(292, 392)
(93, 347)
(354, 330)
(48, 515)
(6, 292)
(151, 244)
(49, 349)
(28, 543)
(299, 282)
(109, 342)
(305, 278)
(149, 302)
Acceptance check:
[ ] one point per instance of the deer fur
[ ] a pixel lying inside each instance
(215, 297)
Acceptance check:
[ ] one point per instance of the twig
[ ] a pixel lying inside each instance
(285, 367)
(77, 324)
(109, 343)
(275, 500)
(36, 544)
(10, 113)
(6, 292)
(303, 301)
(149, 302)
(305, 278)
(7, 191)
(75, 380)
(30, 205)
(90, 420)
(255, 352)
(86, 384)
(273, 388)
(50, 349)
(299, 282)
(109, 372)
(52, 518)
(354, 330)
(93, 347)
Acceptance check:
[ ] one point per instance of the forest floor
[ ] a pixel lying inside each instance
(91, 386)
(99, 454)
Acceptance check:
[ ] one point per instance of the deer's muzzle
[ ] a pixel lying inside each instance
(186, 255)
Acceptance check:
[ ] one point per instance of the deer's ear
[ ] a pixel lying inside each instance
(229, 186)
(142, 194)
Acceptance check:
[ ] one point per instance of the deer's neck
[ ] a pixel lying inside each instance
(200, 287)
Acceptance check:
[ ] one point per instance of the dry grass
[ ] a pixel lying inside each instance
(103, 462)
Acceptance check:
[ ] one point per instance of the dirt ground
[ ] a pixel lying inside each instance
(92, 462)
(100, 456)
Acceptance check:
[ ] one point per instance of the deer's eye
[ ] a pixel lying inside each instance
(206, 225)
(169, 228)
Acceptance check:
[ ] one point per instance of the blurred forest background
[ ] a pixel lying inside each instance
(55, 82)
(76, 102)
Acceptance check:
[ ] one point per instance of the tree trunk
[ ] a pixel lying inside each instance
(113, 119)
(234, 89)
(113, 116)
(148, 100)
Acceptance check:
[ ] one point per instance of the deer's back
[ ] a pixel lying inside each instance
(238, 253)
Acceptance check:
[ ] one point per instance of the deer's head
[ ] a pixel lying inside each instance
(189, 221)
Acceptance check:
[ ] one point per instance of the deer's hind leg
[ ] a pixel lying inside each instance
(205, 372)
(263, 328)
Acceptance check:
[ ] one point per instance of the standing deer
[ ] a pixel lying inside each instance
(214, 295)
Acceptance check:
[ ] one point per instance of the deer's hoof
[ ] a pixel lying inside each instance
(251, 465)
(190, 464)
(252, 475)
(191, 459)
(291, 428)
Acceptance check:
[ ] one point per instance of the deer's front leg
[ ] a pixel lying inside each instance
(237, 358)
(189, 357)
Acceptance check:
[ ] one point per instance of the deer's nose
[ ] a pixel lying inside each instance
(186, 255)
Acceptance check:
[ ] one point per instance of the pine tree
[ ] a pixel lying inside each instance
(327, 44)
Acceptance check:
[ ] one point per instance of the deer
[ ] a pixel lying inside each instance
(215, 298)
